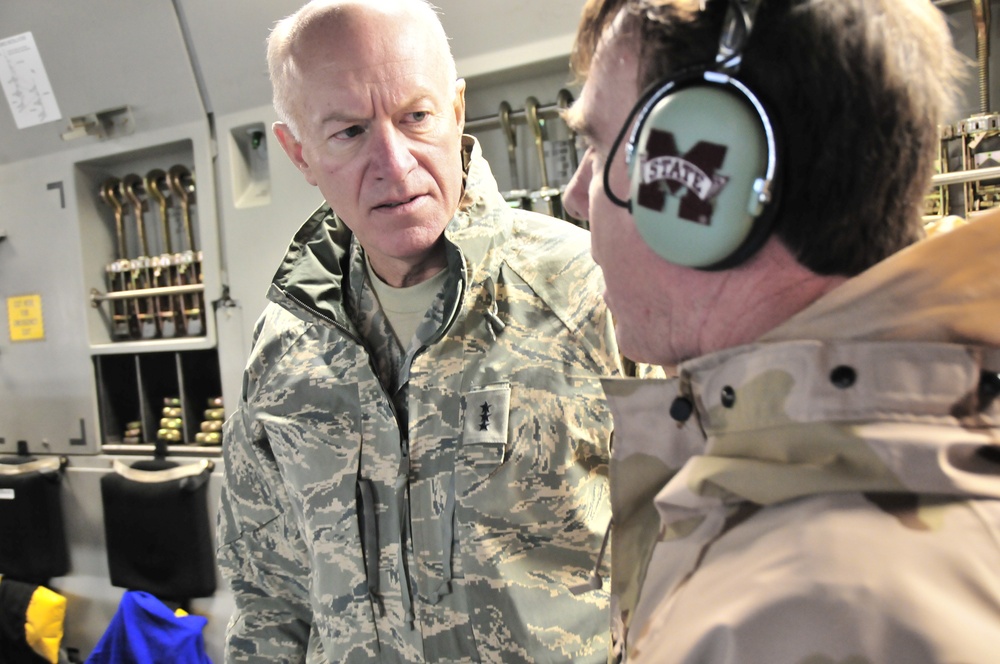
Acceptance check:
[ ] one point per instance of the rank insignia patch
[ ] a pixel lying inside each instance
(486, 414)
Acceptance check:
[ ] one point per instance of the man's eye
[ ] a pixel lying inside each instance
(351, 132)
(419, 116)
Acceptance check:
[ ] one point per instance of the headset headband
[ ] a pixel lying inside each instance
(736, 28)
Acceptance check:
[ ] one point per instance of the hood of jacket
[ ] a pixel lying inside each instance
(889, 383)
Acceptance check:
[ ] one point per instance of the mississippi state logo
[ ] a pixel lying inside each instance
(663, 171)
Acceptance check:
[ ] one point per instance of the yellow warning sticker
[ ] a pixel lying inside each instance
(24, 314)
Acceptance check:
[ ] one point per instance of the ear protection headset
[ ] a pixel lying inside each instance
(702, 160)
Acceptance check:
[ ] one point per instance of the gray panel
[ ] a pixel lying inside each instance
(48, 392)
(255, 229)
(228, 39)
(487, 26)
(46, 386)
(228, 42)
(98, 55)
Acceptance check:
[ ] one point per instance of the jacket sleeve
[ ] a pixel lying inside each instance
(261, 554)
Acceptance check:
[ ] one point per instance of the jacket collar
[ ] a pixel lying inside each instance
(484, 220)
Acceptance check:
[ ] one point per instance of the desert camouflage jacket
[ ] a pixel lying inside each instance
(830, 494)
(347, 537)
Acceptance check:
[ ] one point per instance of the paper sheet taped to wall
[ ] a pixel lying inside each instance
(25, 83)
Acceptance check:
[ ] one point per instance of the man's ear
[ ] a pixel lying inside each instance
(293, 148)
(460, 104)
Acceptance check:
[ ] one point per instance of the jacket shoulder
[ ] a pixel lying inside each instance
(553, 258)
(276, 331)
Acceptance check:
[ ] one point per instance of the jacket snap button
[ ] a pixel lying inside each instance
(728, 396)
(843, 376)
(681, 409)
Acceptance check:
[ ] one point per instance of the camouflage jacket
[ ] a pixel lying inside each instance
(829, 494)
(457, 538)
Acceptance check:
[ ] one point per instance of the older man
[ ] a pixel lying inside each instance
(821, 482)
(417, 471)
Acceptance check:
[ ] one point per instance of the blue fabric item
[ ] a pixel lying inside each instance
(145, 631)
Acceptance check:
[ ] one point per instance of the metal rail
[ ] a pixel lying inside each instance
(96, 296)
(958, 177)
(547, 112)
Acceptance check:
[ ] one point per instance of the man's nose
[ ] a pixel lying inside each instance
(391, 153)
(576, 198)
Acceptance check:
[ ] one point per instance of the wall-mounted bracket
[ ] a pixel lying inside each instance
(113, 122)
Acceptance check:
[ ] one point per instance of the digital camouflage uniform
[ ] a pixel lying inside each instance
(830, 494)
(443, 512)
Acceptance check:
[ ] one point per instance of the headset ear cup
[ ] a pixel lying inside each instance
(703, 166)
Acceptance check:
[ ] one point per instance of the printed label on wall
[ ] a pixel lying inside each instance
(24, 314)
(25, 82)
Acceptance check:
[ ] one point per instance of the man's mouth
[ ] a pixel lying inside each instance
(396, 204)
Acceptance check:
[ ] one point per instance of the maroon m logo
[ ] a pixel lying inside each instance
(663, 171)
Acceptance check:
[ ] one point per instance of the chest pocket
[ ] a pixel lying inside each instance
(485, 418)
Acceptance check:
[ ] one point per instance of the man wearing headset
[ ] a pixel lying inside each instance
(820, 482)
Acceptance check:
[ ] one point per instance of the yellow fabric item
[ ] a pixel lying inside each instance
(43, 624)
